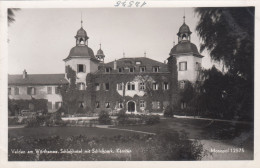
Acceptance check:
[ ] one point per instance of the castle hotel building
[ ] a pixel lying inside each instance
(139, 84)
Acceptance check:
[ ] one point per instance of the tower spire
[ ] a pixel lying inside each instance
(123, 54)
(144, 53)
(100, 46)
(184, 16)
(81, 20)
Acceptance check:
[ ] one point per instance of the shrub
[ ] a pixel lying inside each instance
(122, 118)
(104, 118)
(152, 119)
(168, 112)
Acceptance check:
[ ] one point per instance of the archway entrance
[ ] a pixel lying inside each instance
(131, 106)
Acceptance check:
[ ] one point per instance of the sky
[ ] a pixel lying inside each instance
(40, 39)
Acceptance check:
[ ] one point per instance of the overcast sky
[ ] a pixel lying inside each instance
(40, 39)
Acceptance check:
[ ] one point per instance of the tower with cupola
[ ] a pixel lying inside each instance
(100, 54)
(188, 59)
(81, 58)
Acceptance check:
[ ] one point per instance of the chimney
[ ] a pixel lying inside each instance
(24, 74)
(115, 66)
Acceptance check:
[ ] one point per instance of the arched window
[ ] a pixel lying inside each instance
(184, 37)
(81, 41)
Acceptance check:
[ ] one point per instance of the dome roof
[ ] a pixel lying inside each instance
(82, 51)
(184, 48)
(184, 29)
(81, 32)
(100, 52)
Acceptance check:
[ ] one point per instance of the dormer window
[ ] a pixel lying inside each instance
(131, 69)
(137, 62)
(81, 68)
(142, 69)
(155, 69)
(107, 70)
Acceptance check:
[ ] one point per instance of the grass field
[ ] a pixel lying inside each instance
(42, 132)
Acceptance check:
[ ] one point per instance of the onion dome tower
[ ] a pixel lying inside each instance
(81, 58)
(188, 58)
(100, 54)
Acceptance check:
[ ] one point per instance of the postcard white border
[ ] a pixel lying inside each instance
(116, 164)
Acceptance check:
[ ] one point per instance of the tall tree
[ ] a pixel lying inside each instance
(228, 33)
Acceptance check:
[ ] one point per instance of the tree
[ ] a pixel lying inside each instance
(11, 15)
(228, 33)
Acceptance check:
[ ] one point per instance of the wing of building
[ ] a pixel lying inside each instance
(137, 84)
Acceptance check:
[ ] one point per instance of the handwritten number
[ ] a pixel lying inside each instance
(143, 4)
(127, 3)
(118, 3)
(130, 3)
(123, 4)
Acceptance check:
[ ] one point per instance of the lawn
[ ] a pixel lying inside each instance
(42, 132)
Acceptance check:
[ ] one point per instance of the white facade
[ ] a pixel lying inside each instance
(191, 72)
(90, 66)
(41, 92)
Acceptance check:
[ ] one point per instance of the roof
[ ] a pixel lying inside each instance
(81, 51)
(37, 79)
(185, 47)
(133, 62)
(100, 52)
(184, 29)
(82, 33)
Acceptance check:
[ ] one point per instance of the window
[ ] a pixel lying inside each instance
(97, 86)
(142, 69)
(183, 105)
(49, 104)
(155, 86)
(57, 105)
(31, 91)
(120, 105)
(156, 69)
(142, 103)
(106, 86)
(131, 69)
(97, 104)
(142, 86)
(120, 86)
(57, 90)
(130, 86)
(165, 86)
(9, 91)
(107, 70)
(49, 90)
(120, 70)
(16, 91)
(81, 68)
(137, 62)
(81, 86)
(198, 66)
(182, 84)
(182, 66)
(107, 104)
(81, 104)
(155, 105)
